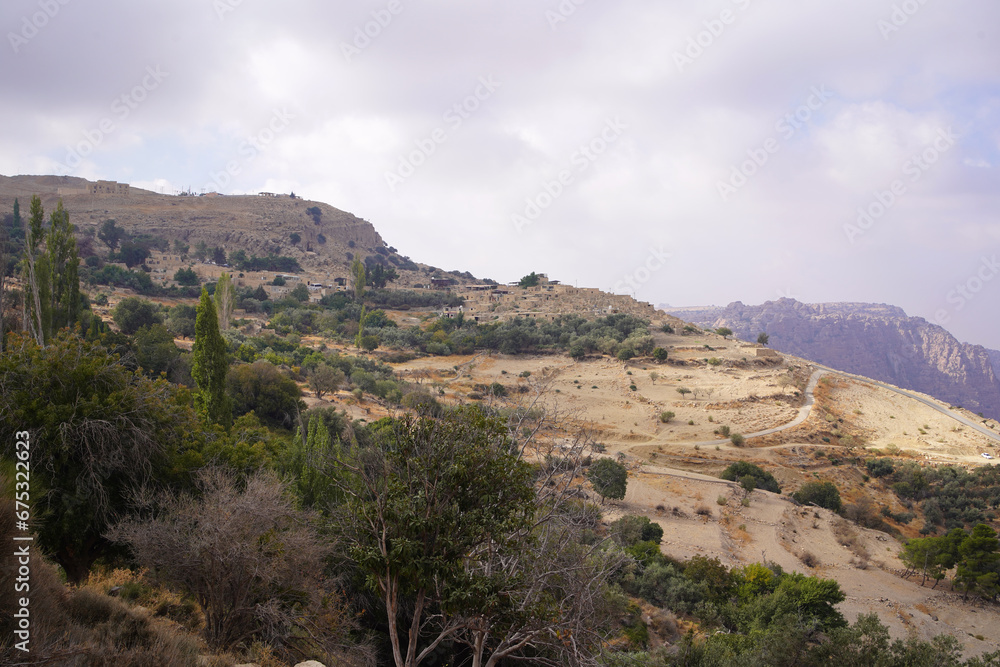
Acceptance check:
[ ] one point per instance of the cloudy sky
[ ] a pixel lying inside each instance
(688, 153)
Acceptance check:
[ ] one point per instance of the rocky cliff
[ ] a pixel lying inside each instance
(874, 340)
(995, 357)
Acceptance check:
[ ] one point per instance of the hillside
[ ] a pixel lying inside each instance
(328, 237)
(674, 466)
(577, 375)
(874, 340)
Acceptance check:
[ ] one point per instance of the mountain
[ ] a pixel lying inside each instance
(876, 340)
(995, 357)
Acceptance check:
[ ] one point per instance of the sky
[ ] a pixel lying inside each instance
(687, 153)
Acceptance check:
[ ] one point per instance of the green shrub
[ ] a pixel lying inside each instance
(763, 479)
(823, 494)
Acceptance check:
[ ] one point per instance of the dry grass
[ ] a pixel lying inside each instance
(848, 537)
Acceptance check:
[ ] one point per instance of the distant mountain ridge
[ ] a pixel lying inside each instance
(995, 357)
(875, 340)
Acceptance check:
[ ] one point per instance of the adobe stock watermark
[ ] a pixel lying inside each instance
(786, 127)
(453, 117)
(714, 29)
(371, 30)
(562, 12)
(223, 7)
(121, 108)
(587, 154)
(915, 167)
(32, 25)
(655, 260)
(900, 16)
(966, 291)
(250, 148)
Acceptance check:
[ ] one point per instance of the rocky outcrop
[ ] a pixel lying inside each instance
(995, 357)
(874, 340)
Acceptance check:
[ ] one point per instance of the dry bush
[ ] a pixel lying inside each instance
(84, 627)
(859, 563)
(703, 510)
(809, 559)
(251, 559)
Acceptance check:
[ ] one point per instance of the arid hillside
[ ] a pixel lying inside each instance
(874, 340)
(800, 422)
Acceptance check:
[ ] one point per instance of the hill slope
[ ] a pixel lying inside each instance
(258, 225)
(874, 340)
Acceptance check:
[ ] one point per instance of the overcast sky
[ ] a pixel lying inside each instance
(689, 153)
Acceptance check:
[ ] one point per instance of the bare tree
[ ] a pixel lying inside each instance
(252, 560)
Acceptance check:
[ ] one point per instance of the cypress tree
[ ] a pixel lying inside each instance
(210, 364)
(64, 266)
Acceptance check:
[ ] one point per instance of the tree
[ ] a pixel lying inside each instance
(313, 458)
(263, 389)
(155, 349)
(932, 556)
(427, 500)
(762, 338)
(762, 479)
(209, 365)
(379, 276)
(133, 313)
(294, 237)
(133, 253)
(824, 494)
(64, 265)
(181, 320)
(976, 571)
(748, 483)
(51, 284)
(225, 300)
(300, 293)
(98, 432)
(111, 234)
(325, 379)
(725, 332)
(660, 354)
(683, 391)
(632, 529)
(37, 276)
(359, 277)
(219, 256)
(186, 277)
(609, 478)
(530, 280)
(260, 294)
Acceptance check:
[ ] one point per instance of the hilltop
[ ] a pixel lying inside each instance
(257, 224)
